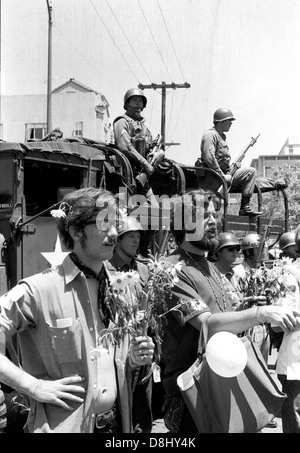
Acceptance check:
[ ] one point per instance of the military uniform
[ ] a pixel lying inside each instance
(134, 139)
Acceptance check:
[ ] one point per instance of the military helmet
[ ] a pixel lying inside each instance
(134, 92)
(287, 239)
(250, 241)
(130, 223)
(225, 240)
(223, 114)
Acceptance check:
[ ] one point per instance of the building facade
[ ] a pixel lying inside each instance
(76, 109)
(288, 155)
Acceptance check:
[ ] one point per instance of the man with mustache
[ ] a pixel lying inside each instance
(202, 300)
(75, 382)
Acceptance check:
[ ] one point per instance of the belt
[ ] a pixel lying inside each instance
(103, 419)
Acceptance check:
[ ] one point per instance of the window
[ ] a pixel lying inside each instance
(35, 130)
(78, 128)
(1, 131)
(7, 183)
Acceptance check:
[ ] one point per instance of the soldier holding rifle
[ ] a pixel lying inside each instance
(215, 155)
(134, 140)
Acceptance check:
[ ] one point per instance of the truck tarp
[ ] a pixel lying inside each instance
(69, 149)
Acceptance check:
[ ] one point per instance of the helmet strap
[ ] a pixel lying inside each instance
(134, 112)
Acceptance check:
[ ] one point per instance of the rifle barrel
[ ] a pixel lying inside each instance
(243, 153)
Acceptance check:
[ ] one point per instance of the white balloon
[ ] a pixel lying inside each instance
(226, 354)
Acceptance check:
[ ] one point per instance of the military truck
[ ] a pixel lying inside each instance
(34, 177)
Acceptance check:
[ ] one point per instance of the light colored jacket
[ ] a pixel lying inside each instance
(49, 352)
(288, 359)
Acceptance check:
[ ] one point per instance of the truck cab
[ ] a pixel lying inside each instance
(34, 177)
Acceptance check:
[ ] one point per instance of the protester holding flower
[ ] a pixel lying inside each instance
(288, 359)
(139, 292)
(76, 383)
(199, 286)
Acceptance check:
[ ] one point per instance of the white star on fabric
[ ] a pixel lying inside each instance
(56, 257)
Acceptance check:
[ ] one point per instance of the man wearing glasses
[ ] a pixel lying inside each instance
(75, 383)
(223, 258)
(199, 299)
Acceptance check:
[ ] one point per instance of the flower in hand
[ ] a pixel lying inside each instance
(141, 350)
(139, 311)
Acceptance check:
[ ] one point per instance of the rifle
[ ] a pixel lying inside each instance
(143, 176)
(265, 236)
(241, 156)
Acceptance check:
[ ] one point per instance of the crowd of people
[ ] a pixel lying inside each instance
(76, 383)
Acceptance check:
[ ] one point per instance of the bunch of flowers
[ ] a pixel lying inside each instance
(266, 282)
(140, 310)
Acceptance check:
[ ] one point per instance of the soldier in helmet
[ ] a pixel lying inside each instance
(250, 245)
(126, 250)
(134, 139)
(124, 260)
(250, 248)
(215, 155)
(287, 245)
(226, 254)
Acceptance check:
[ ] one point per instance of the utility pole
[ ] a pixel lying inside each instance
(164, 87)
(49, 78)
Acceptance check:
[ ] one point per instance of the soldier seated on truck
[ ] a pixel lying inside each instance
(216, 156)
(134, 140)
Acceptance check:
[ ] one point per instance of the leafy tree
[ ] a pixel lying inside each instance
(291, 175)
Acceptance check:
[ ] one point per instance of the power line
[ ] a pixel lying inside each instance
(151, 112)
(84, 57)
(107, 29)
(154, 40)
(126, 37)
(170, 39)
(179, 114)
(163, 87)
(171, 110)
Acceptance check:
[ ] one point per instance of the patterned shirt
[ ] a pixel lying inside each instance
(180, 341)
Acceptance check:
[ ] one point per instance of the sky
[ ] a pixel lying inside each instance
(239, 54)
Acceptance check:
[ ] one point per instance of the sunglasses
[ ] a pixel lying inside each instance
(233, 248)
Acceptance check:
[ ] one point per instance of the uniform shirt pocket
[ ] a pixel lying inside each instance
(67, 342)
